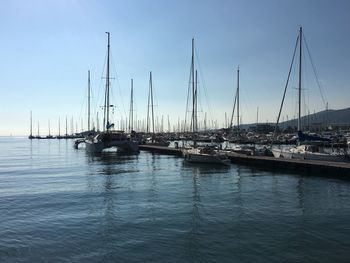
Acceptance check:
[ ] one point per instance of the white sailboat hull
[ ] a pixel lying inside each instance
(287, 154)
(278, 153)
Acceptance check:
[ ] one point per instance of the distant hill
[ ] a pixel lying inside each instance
(339, 116)
(320, 119)
(323, 118)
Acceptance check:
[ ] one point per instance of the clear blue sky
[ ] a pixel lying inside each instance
(47, 47)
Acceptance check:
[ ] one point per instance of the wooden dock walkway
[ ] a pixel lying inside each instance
(308, 167)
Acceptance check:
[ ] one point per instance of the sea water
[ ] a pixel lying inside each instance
(59, 204)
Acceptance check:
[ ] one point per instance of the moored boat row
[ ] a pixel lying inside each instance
(98, 141)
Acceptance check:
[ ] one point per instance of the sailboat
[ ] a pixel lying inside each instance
(49, 136)
(153, 140)
(236, 102)
(38, 136)
(31, 127)
(109, 138)
(131, 113)
(195, 154)
(90, 131)
(305, 151)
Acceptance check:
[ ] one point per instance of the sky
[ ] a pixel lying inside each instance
(47, 47)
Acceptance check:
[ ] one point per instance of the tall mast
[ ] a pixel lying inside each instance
(151, 92)
(66, 126)
(149, 95)
(195, 104)
(168, 124)
(72, 126)
(97, 123)
(131, 118)
(238, 100)
(300, 55)
(59, 126)
(49, 127)
(89, 100)
(31, 125)
(326, 115)
(193, 86)
(107, 105)
(162, 125)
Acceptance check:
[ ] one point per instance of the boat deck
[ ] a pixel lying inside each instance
(161, 149)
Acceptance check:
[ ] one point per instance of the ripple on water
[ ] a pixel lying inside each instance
(60, 204)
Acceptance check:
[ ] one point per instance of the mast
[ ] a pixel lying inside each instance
(107, 105)
(193, 87)
(49, 128)
(66, 127)
(97, 123)
(300, 56)
(151, 90)
(89, 87)
(31, 126)
(238, 101)
(168, 124)
(59, 127)
(194, 97)
(326, 115)
(131, 118)
(285, 88)
(149, 94)
(195, 105)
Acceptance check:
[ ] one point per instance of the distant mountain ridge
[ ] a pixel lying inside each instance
(326, 117)
(322, 118)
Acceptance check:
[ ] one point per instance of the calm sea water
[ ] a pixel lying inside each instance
(58, 204)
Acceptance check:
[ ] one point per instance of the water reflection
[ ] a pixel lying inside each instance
(154, 207)
(300, 194)
(195, 224)
(152, 197)
(104, 181)
(110, 199)
(109, 158)
(237, 199)
(153, 188)
(206, 169)
(152, 161)
(237, 178)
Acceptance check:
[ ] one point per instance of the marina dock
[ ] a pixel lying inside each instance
(308, 167)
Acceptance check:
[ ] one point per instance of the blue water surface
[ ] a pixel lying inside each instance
(58, 204)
